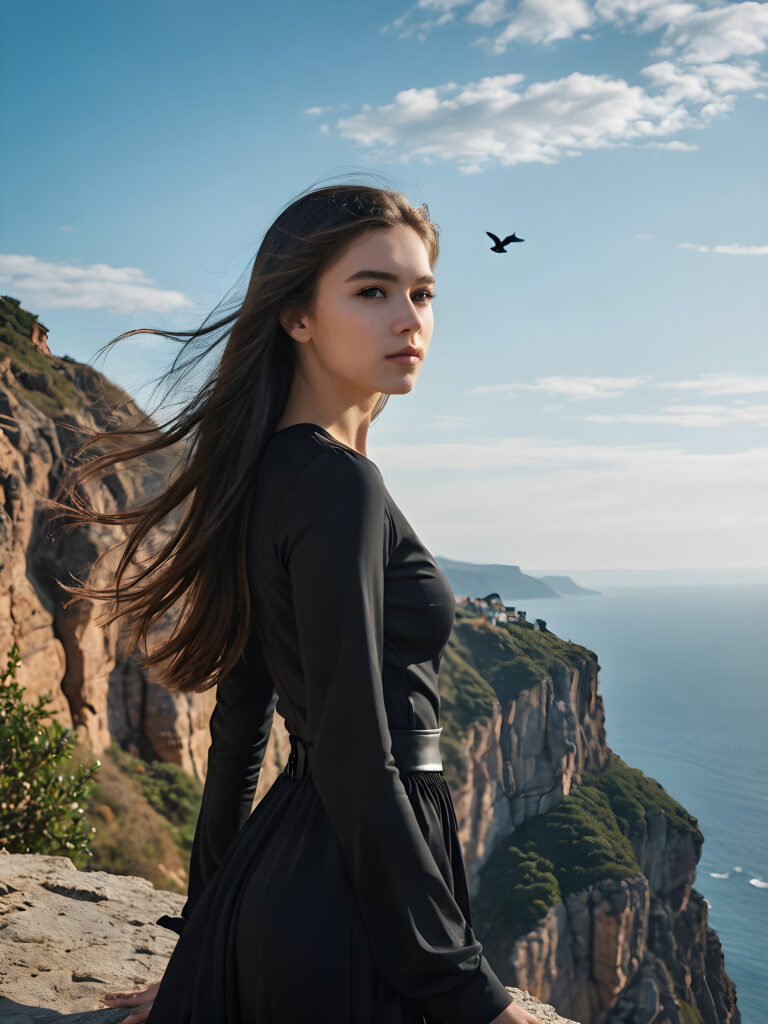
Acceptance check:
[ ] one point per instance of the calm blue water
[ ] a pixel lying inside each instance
(683, 674)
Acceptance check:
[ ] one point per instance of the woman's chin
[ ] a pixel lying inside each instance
(402, 386)
(407, 385)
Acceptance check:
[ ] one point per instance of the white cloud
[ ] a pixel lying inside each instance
(720, 383)
(536, 21)
(444, 14)
(732, 249)
(733, 30)
(577, 389)
(491, 120)
(690, 416)
(585, 388)
(644, 15)
(708, 60)
(675, 144)
(551, 502)
(694, 35)
(54, 284)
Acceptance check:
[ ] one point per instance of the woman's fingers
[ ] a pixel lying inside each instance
(139, 1014)
(128, 998)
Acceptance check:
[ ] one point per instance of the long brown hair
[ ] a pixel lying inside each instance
(201, 569)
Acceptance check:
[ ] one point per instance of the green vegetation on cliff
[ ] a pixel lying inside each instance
(486, 665)
(586, 838)
(688, 1013)
(145, 815)
(50, 383)
(514, 658)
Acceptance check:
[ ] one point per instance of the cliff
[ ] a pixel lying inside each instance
(581, 869)
(46, 403)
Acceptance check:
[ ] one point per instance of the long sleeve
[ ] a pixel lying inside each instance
(240, 726)
(332, 538)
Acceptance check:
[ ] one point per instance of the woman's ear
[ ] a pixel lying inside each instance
(292, 323)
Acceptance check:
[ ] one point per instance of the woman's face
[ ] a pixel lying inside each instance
(360, 319)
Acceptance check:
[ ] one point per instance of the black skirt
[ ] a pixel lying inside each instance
(277, 936)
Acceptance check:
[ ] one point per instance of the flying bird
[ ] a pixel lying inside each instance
(499, 246)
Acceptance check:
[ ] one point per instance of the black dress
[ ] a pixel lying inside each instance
(342, 897)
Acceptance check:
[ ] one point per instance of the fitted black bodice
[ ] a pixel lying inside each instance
(310, 483)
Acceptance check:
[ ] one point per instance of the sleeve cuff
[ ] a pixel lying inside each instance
(176, 924)
(478, 1000)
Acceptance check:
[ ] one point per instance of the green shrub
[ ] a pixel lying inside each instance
(40, 808)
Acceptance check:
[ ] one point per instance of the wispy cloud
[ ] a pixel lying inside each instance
(582, 389)
(707, 59)
(526, 499)
(719, 383)
(733, 249)
(55, 284)
(585, 389)
(673, 145)
(695, 35)
(690, 416)
(577, 389)
(492, 119)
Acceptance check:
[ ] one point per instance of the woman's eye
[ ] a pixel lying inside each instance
(375, 288)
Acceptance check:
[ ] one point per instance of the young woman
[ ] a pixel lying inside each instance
(342, 896)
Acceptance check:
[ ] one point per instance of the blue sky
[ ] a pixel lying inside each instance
(596, 398)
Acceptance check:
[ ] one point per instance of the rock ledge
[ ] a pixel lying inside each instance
(69, 935)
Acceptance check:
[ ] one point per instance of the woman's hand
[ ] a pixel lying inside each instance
(141, 1001)
(515, 1014)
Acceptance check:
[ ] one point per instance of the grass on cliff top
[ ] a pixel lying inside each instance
(513, 658)
(144, 815)
(71, 385)
(586, 838)
(484, 665)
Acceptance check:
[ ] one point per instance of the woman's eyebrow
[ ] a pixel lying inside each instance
(384, 275)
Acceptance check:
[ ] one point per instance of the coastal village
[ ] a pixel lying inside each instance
(496, 613)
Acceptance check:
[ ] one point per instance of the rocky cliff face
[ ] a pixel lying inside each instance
(635, 949)
(522, 715)
(621, 952)
(527, 754)
(46, 403)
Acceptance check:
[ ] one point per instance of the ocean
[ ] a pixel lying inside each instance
(684, 679)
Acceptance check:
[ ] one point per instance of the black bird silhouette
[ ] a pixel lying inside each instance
(499, 246)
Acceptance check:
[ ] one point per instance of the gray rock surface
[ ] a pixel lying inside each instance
(68, 936)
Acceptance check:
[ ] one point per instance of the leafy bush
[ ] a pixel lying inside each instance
(40, 808)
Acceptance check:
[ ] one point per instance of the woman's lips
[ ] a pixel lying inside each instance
(410, 360)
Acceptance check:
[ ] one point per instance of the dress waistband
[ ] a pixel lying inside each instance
(414, 750)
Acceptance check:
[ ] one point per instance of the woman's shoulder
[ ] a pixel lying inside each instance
(331, 493)
(314, 457)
